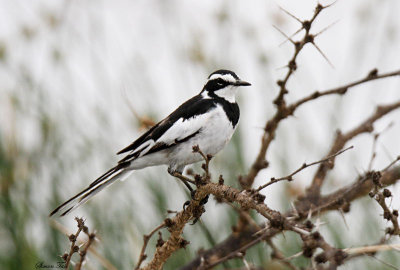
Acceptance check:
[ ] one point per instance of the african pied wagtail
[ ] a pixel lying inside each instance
(207, 120)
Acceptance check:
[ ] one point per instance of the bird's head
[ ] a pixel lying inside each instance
(223, 83)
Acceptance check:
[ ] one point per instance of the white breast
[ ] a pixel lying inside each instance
(217, 130)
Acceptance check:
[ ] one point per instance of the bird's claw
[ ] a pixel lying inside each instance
(204, 200)
(192, 194)
(194, 221)
(185, 204)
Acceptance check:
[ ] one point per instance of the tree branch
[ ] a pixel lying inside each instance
(281, 114)
(341, 90)
(340, 140)
(302, 167)
(146, 239)
(332, 201)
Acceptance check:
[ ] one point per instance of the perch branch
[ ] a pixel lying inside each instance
(332, 201)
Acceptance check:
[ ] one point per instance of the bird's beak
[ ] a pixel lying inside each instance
(242, 83)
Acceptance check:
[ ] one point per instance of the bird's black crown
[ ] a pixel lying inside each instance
(224, 72)
(215, 83)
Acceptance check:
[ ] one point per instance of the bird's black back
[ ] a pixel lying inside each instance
(195, 106)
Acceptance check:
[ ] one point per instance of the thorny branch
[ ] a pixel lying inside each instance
(302, 167)
(272, 124)
(284, 111)
(246, 199)
(380, 197)
(67, 257)
(146, 239)
(342, 139)
(307, 206)
(176, 225)
(93, 251)
(83, 252)
(74, 248)
(369, 249)
(248, 233)
(334, 201)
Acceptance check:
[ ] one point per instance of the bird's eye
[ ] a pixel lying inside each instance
(220, 82)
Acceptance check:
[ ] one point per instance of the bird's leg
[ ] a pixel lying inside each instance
(204, 200)
(187, 185)
(184, 179)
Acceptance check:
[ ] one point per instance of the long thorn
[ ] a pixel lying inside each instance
(291, 36)
(290, 14)
(323, 55)
(286, 36)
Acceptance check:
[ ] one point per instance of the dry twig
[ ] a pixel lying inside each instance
(83, 252)
(305, 165)
(328, 202)
(72, 238)
(67, 257)
(249, 233)
(341, 139)
(372, 249)
(103, 261)
(310, 203)
(146, 239)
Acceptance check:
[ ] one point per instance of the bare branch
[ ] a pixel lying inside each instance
(83, 252)
(342, 139)
(332, 201)
(207, 159)
(380, 197)
(285, 111)
(283, 34)
(326, 28)
(305, 165)
(290, 14)
(182, 177)
(176, 225)
(72, 238)
(102, 260)
(357, 189)
(372, 76)
(146, 239)
(323, 54)
(370, 249)
(391, 164)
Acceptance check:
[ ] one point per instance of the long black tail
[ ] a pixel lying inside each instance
(117, 173)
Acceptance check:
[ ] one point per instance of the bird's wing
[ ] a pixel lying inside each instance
(181, 125)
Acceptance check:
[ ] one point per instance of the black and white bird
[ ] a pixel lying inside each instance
(207, 120)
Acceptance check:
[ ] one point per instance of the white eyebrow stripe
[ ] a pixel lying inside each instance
(225, 77)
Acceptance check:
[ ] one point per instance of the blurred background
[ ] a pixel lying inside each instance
(77, 76)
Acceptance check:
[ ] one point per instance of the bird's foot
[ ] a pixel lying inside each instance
(204, 200)
(201, 209)
(192, 194)
(181, 177)
(201, 204)
(185, 204)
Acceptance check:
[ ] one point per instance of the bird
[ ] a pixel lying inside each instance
(207, 120)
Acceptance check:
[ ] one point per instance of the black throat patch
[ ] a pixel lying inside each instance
(231, 109)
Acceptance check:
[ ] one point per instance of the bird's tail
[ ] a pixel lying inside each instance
(117, 173)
